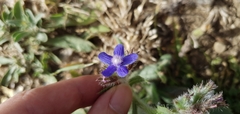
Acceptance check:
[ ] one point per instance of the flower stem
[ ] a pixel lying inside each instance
(137, 101)
(147, 109)
(134, 108)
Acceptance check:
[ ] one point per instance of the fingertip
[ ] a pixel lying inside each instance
(61, 98)
(121, 99)
(117, 100)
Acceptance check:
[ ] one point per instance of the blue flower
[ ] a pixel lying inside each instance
(118, 62)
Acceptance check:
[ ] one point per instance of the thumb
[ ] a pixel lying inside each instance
(117, 100)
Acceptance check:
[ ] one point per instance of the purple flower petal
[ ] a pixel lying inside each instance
(129, 59)
(105, 58)
(119, 50)
(109, 71)
(122, 71)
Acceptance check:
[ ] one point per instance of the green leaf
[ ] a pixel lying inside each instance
(31, 17)
(17, 73)
(164, 61)
(1, 27)
(8, 76)
(72, 42)
(72, 67)
(34, 19)
(55, 58)
(15, 23)
(163, 110)
(216, 61)
(166, 57)
(144, 106)
(152, 93)
(44, 59)
(3, 40)
(83, 19)
(42, 37)
(4, 60)
(18, 35)
(83, 16)
(29, 57)
(162, 77)
(103, 29)
(48, 79)
(18, 11)
(6, 14)
(37, 67)
(149, 72)
(198, 32)
(99, 29)
(57, 20)
(135, 80)
(60, 20)
(155, 71)
(38, 17)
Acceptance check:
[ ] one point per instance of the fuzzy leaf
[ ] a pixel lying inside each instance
(37, 67)
(15, 23)
(55, 59)
(60, 20)
(18, 35)
(72, 42)
(17, 73)
(3, 39)
(163, 110)
(4, 60)
(31, 17)
(42, 37)
(82, 19)
(8, 76)
(6, 14)
(149, 72)
(18, 11)
(99, 29)
(135, 80)
(48, 79)
(72, 67)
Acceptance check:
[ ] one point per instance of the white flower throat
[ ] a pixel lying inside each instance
(116, 60)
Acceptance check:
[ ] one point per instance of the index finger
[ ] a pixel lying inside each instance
(59, 98)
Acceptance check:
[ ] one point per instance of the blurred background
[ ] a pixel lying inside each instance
(180, 43)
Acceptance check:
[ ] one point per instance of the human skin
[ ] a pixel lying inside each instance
(66, 96)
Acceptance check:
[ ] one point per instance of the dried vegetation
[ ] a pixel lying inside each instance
(202, 36)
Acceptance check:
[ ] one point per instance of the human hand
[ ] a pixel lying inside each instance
(66, 96)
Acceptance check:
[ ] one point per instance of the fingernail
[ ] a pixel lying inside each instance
(121, 100)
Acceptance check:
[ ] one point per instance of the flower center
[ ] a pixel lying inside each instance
(116, 60)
